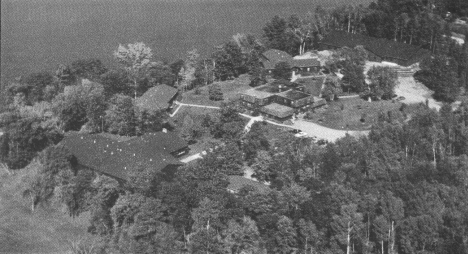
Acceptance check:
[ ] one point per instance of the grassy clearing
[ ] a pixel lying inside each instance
(193, 112)
(346, 114)
(47, 230)
(230, 89)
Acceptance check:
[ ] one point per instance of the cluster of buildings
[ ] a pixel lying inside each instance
(114, 156)
(280, 100)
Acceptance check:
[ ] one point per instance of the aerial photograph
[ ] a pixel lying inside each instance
(234, 127)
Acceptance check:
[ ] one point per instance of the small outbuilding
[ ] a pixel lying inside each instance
(277, 112)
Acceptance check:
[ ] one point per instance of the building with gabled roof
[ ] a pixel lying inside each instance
(378, 49)
(116, 158)
(160, 97)
(272, 57)
(165, 141)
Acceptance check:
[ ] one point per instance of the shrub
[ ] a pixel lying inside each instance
(282, 71)
(363, 117)
(403, 107)
(215, 93)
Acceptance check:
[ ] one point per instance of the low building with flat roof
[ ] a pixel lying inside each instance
(297, 100)
(277, 112)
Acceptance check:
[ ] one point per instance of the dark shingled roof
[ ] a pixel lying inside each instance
(156, 98)
(115, 158)
(274, 56)
(238, 182)
(278, 110)
(380, 47)
(293, 95)
(164, 141)
(318, 102)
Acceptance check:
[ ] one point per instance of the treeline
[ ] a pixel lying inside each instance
(402, 190)
(417, 22)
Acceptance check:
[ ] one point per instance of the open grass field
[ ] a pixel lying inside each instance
(229, 88)
(39, 35)
(349, 118)
(47, 230)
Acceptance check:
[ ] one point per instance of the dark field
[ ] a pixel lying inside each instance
(38, 35)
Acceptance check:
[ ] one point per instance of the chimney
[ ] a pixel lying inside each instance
(164, 130)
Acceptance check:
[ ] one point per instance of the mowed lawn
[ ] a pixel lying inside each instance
(229, 88)
(348, 116)
(47, 230)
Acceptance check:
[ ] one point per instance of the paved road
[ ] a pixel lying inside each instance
(322, 132)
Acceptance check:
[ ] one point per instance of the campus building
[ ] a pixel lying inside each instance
(116, 158)
(299, 66)
(280, 100)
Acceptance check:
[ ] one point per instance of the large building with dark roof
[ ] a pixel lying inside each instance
(272, 57)
(115, 158)
(378, 49)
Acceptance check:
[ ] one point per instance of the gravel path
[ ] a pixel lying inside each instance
(321, 132)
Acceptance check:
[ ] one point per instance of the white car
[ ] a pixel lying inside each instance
(300, 134)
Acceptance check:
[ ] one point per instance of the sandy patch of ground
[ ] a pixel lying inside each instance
(415, 92)
(460, 41)
(370, 64)
(322, 132)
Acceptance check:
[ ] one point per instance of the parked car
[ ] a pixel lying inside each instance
(295, 131)
(300, 135)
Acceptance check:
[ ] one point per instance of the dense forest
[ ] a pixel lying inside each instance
(401, 189)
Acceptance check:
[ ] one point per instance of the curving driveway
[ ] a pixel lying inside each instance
(312, 129)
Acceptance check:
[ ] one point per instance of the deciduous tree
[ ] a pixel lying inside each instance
(135, 58)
